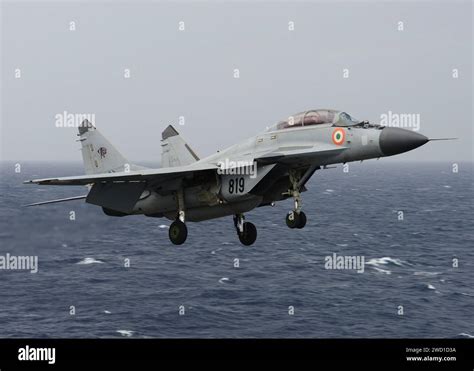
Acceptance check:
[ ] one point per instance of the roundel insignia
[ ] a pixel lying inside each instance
(338, 136)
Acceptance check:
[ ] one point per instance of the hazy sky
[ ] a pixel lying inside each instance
(191, 73)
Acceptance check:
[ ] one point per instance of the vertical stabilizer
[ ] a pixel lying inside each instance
(98, 154)
(174, 150)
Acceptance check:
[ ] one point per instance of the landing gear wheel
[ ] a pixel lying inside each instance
(249, 234)
(301, 220)
(296, 220)
(178, 232)
(292, 219)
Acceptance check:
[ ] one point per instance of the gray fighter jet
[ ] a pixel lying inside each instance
(259, 171)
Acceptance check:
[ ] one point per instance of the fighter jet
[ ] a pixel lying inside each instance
(270, 167)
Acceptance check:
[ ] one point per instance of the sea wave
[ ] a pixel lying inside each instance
(90, 261)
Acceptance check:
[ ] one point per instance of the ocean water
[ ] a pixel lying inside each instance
(408, 263)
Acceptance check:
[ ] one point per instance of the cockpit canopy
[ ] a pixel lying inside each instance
(316, 117)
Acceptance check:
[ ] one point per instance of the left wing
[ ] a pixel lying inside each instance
(155, 175)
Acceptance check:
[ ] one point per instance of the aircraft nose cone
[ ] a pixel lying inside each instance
(395, 140)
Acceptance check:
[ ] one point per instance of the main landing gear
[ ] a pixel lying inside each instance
(178, 231)
(295, 218)
(246, 231)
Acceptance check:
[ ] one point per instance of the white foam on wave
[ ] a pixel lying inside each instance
(385, 271)
(90, 261)
(342, 244)
(466, 335)
(107, 312)
(163, 226)
(329, 190)
(377, 262)
(126, 333)
(430, 286)
(224, 279)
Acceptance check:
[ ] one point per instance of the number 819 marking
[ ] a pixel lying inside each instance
(236, 185)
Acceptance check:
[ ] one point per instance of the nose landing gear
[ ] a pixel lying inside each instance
(296, 218)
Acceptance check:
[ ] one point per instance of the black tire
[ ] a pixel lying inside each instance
(249, 234)
(301, 220)
(292, 223)
(178, 232)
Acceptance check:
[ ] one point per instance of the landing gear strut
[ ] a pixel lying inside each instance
(246, 231)
(296, 218)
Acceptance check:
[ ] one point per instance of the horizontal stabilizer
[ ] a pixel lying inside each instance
(58, 200)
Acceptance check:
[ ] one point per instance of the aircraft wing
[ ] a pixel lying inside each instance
(131, 176)
(296, 154)
(120, 191)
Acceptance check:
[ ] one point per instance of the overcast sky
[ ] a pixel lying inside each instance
(191, 73)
